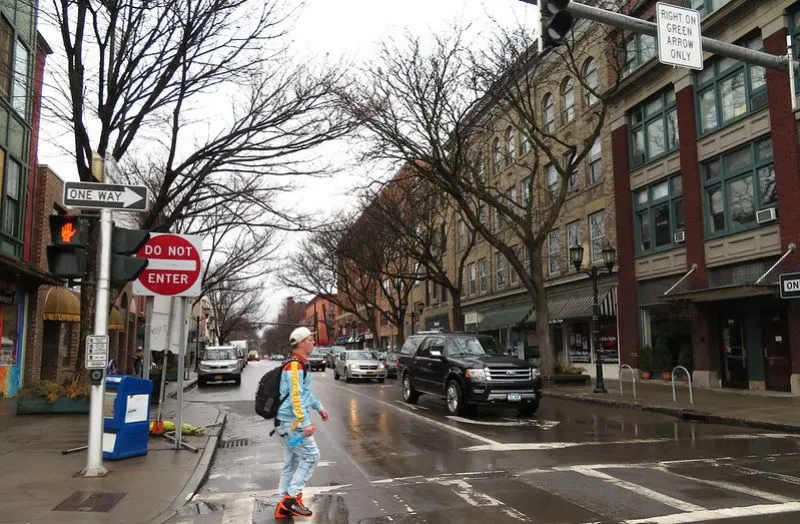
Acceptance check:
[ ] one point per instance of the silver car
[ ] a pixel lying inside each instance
(357, 365)
(218, 364)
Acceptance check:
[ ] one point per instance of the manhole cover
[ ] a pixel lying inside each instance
(233, 443)
(94, 501)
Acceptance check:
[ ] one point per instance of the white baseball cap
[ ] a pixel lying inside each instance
(299, 335)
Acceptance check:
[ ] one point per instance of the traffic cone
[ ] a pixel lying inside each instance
(157, 427)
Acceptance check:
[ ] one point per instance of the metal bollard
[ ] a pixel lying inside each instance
(633, 376)
(689, 375)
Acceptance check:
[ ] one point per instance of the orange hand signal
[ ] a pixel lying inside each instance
(67, 232)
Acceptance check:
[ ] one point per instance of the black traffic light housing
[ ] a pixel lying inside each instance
(124, 243)
(557, 22)
(67, 254)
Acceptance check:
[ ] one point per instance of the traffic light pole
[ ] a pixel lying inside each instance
(94, 453)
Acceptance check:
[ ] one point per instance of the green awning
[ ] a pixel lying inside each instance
(505, 317)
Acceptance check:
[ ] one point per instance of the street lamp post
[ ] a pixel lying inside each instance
(609, 258)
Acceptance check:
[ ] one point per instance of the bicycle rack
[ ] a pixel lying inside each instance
(633, 376)
(691, 397)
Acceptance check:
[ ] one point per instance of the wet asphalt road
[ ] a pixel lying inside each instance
(386, 462)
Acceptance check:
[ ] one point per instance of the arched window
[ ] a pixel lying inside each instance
(590, 76)
(524, 143)
(549, 114)
(567, 100)
(480, 168)
(496, 155)
(511, 147)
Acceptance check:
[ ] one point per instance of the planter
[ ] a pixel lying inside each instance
(568, 380)
(666, 375)
(645, 375)
(39, 405)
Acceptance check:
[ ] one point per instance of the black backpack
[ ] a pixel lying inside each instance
(269, 387)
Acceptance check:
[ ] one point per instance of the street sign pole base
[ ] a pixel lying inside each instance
(98, 471)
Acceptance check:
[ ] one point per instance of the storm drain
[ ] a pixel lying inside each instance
(91, 501)
(233, 443)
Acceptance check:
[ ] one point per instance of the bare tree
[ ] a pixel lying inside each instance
(236, 307)
(138, 75)
(438, 109)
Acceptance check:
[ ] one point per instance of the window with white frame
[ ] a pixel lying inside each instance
(590, 80)
(524, 143)
(496, 225)
(465, 282)
(549, 114)
(597, 235)
(511, 147)
(554, 252)
(499, 271)
(472, 280)
(574, 234)
(462, 234)
(567, 101)
(595, 162)
(526, 192)
(496, 155)
(511, 198)
(552, 180)
(513, 277)
(483, 276)
(481, 169)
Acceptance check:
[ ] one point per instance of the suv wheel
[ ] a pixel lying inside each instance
(455, 399)
(410, 395)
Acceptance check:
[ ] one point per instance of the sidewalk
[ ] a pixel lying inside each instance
(764, 410)
(37, 478)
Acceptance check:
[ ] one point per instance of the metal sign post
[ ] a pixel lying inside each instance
(181, 364)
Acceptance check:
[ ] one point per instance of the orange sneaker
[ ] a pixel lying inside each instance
(281, 511)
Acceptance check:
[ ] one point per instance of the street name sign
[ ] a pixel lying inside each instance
(679, 40)
(790, 285)
(92, 195)
(96, 351)
(174, 266)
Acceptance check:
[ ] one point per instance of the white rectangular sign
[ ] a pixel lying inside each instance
(679, 40)
(96, 351)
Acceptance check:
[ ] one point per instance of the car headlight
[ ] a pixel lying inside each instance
(353, 366)
(475, 374)
(536, 373)
(381, 366)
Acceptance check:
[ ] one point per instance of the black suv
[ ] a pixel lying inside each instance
(467, 370)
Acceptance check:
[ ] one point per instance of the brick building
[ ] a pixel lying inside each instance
(320, 313)
(703, 163)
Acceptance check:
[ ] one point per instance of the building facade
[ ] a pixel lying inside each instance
(320, 314)
(706, 164)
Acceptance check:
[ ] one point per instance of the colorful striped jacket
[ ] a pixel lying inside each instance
(296, 388)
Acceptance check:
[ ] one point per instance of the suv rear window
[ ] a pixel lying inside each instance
(411, 344)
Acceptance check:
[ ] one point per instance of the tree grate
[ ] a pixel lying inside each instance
(233, 443)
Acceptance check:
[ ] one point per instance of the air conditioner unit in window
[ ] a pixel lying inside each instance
(766, 215)
(680, 237)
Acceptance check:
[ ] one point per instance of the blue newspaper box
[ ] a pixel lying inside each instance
(126, 416)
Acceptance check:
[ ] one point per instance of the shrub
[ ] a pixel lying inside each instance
(646, 358)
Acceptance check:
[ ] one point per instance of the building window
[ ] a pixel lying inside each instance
(567, 101)
(597, 235)
(526, 192)
(552, 180)
(705, 7)
(482, 215)
(462, 234)
(572, 169)
(496, 220)
(554, 252)
(728, 90)
(19, 95)
(483, 276)
(496, 162)
(595, 162)
(511, 198)
(549, 114)
(11, 200)
(654, 128)
(511, 147)
(574, 234)
(524, 143)
(499, 271)
(737, 185)
(481, 169)
(658, 214)
(638, 50)
(6, 55)
(513, 277)
(590, 80)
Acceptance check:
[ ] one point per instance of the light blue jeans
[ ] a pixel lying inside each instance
(299, 462)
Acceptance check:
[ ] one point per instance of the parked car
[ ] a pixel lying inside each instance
(390, 360)
(467, 371)
(333, 355)
(357, 365)
(219, 364)
(253, 355)
(316, 361)
(241, 354)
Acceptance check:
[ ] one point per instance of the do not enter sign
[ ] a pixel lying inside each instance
(174, 266)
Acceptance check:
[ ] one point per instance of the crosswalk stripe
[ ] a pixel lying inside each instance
(718, 514)
(730, 486)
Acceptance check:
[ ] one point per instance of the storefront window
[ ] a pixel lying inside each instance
(579, 343)
(608, 350)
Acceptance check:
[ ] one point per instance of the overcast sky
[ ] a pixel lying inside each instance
(346, 29)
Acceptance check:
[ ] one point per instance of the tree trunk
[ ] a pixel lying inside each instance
(546, 353)
(401, 333)
(458, 316)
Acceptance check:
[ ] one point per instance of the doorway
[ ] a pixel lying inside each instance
(777, 355)
(733, 351)
(51, 342)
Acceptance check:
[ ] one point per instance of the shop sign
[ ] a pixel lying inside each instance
(790, 285)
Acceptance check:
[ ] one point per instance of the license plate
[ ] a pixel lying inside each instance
(217, 377)
(514, 397)
(370, 372)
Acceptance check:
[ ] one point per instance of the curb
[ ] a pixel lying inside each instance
(688, 414)
(189, 384)
(199, 474)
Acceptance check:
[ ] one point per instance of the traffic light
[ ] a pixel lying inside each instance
(556, 21)
(68, 252)
(124, 243)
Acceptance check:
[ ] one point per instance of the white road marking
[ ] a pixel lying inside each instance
(718, 514)
(639, 490)
(731, 486)
(238, 511)
(509, 422)
(436, 423)
(411, 406)
(789, 479)
(476, 498)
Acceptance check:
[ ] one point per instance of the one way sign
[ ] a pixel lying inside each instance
(91, 195)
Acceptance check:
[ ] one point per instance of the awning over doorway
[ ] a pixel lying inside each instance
(715, 294)
(505, 317)
(62, 305)
(115, 321)
(579, 305)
